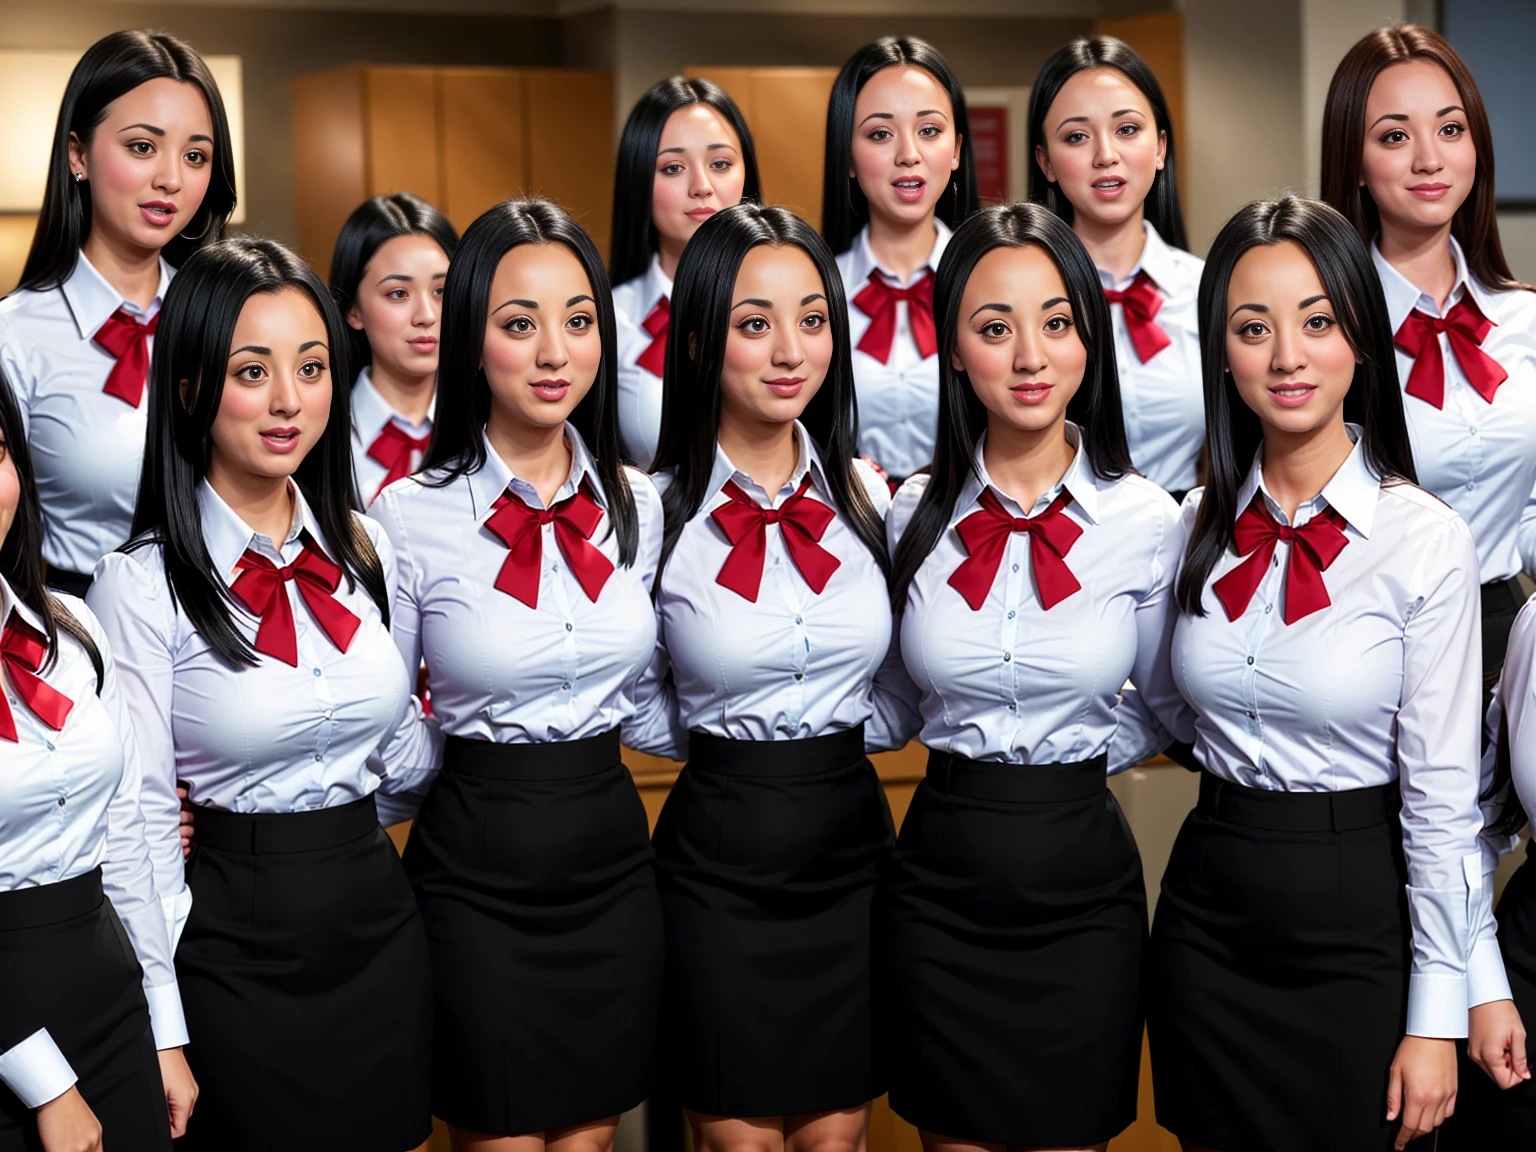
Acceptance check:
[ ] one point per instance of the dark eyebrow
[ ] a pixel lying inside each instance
(879, 116)
(758, 303)
(1311, 300)
(812, 296)
(994, 307)
(148, 128)
(200, 136)
(406, 276)
(707, 148)
(308, 344)
(524, 303)
(256, 348)
(1389, 116)
(933, 112)
(1072, 120)
(1249, 308)
(575, 300)
(1053, 301)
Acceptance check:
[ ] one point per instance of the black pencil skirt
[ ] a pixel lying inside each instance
(534, 873)
(67, 965)
(768, 854)
(1014, 924)
(1278, 977)
(306, 982)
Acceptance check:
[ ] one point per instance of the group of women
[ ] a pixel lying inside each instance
(1029, 483)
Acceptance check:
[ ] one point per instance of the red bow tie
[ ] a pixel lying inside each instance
(1314, 546)
(519, 527)
(396, 449)
(878, 300)
(654, 358)
(22, 650)
(1142, 302)
(128, 342)
(260, 588)
(985, 535)
(1466, 327)
(802, 523)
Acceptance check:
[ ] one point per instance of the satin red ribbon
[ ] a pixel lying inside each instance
(1465, 328)
(878, 300)
(654, 358)
(22, 651)
(127, 341)
(316, 576)
(394, 447)
(985, 535)
(1314, 546)
(802, 523)
(1142, 302)
(518, 526)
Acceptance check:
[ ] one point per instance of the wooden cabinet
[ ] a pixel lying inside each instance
(462, 138)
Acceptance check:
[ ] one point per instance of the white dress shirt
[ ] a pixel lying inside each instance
(1480, 458)
(69, 803)
(87, 446)
(898, 400)
(1020, 684)
(639, 389)
(1381, 685)
(1163, 399)
(370, 413)
(562, 671)
(267, 738)
(789, 666)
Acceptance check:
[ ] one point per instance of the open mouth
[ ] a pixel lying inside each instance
(1293, 395)
(158, 212)
(552, 390)
(1108, 188)
(280, 439)
(910, 189)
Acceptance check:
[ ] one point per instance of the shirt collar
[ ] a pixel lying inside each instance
(656, 285)
(92, 300)
(10, 602)
(864, 261)
(370, 411)
(1157, 261)
(1403, 296)
(228, 536)
(1353, 492)
(807, 460)
(1078, 480)
(487, 483)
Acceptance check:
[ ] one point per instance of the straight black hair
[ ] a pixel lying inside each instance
(186, 386)
(1233, 432)
(21, 555)
(371, 224)
(464, 394)
(113, 66)
(634, 231)
(844, 209)
(1162, 204)
(1094, 407)
(690, 408)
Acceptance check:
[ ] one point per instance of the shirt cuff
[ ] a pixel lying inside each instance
(166, 1017)
(176, 908)
(1437, 1006)
(1486, 978)
(36, 1070)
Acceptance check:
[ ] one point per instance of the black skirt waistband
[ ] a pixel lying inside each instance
(776, 757)
(564, 759)
(1017, 783)
(268, 833)
(74, 583)
(51, 903)
(1351, 811)
(1502, 595)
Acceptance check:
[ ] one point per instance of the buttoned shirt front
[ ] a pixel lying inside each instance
(639, 388)
(370, 414)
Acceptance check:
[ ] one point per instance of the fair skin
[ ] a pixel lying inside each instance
(399, 307)
(1103, 150)
(699, 172)
(1496, 1042)
(147, 169)
(905, 150)
(1293, 367)
(1419, 165)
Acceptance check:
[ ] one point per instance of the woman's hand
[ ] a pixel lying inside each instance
(1422, 1087)
(1496, 1042)
(185, 825)
(180, 1089)
(67, 1124)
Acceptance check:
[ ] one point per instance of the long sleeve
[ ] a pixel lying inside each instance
(36, 1070)
(1526, 536)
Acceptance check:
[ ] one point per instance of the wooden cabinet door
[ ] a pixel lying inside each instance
(570, 143)
(400, 106)
(330, 169)
(484, 141)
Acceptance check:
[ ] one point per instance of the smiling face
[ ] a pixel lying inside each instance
(399, 305)
(699, 172)
(148, 164)
(1285, 348)
(1419, 162)
(1103, 147)
(905, 145)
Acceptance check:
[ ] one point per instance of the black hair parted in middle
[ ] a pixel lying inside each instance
(701, 321)
(1094, 407)
(186, 386)
(464, 394)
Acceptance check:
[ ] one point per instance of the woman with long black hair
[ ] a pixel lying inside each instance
(685, 154)
(899, 178)
(527, 554)
(142, 173)
(249, 616)
(773, 681)
(1310, 951)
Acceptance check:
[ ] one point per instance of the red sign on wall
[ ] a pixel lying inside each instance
(989, 145)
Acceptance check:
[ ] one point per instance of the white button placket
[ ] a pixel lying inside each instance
(557, 596)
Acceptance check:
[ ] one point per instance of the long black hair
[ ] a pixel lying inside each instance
(371, 225)
(111, 67)
(634, 231)
(1162, 204)
(464, 394)
(186, 386)
(690, 407)
(1094, 407)
(21, 555)
(1233, 432)
(844, 209)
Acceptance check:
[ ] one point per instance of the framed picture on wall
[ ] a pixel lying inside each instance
(1000, 141)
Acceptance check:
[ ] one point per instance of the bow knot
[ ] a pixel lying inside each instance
(878, 300)
(985, 534)
(22, 652)
(126, 341)
(520, 527)
(262, 588)
(1315, 546)
(802, 523)
(1465, 328)
(397, 450)
(656, 323)
(1142, 302)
